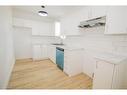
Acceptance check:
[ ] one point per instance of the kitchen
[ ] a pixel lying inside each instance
(87, 40)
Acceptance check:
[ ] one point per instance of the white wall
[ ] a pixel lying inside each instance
(7, 58)
(22, 42)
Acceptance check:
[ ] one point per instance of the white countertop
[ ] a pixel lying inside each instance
(109, 57)
(65, 47)
(106, 56)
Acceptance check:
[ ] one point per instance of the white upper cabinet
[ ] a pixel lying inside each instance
(21, 22)
(18, 22)
(39, 28)
(42, 28)
(69, 23)
(98, 11)
(69, 26)
(116, 17)
(116, 20)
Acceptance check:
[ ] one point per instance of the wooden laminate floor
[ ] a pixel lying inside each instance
(28, 74)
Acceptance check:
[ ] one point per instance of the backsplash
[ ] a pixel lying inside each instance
(94, 38)
(73, 41)
(44, 40)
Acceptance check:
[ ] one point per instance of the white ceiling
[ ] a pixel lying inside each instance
(54, 12)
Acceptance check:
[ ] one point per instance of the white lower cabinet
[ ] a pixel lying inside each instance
(37, 55)
(89, 64)
(40, 52)
(52, 53)
(108, 75)
(44, 51)
(73, 62)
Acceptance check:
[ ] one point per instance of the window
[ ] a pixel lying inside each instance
(57, 28)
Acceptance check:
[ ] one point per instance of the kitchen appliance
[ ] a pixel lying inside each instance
(100, 21)
(60, 57)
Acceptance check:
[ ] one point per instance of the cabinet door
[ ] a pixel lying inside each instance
(69, 24)
(88, 66)
(98, 11)
(22, 23)
(52, 53)
(116, 20)
(73, 62)
(67, 66)
(44, 51)
(37, 52)
(103, 75)
(43, 28)
(18, 22)
(27, 23)
(35, 28)
(119, 77)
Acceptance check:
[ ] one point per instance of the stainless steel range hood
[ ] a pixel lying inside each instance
(100, 21)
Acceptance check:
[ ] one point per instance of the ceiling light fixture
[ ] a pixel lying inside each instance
(42, 13)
